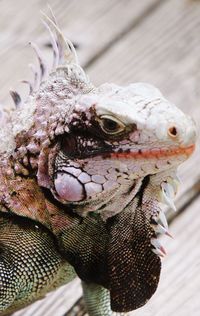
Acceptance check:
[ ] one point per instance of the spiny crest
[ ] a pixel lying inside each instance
(45, 111)
(64, 57)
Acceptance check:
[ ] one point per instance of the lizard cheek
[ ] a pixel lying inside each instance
(69, 188)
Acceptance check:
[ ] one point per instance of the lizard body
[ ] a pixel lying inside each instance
(83, 171)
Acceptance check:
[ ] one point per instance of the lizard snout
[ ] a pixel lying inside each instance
(185, 133)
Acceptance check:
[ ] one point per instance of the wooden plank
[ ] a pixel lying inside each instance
(155, 58)
(91, 26)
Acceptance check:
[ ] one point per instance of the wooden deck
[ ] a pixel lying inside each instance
(156, 41)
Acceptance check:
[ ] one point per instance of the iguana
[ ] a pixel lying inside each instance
(83, 173)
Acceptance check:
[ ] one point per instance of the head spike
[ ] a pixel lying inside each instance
(42, 62)
(16, 98)
(67, 53)
(54, 45)
(30, 86)
(35, 77)
(52, 14)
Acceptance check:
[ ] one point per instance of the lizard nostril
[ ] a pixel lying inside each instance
(172, 132)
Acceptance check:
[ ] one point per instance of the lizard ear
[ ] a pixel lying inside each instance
(134, 270)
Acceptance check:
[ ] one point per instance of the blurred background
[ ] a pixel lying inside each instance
(154, 41)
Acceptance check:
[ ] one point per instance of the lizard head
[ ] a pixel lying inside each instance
(90, 146)
(118, 136)
(111, 151)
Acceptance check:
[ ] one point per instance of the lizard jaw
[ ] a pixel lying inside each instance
(74, 187)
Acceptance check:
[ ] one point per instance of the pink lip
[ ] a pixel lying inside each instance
(156, 153)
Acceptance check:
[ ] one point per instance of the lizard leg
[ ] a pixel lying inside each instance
(97, 300)
(30, 264)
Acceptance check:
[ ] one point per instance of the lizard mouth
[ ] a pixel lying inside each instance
(84, 146)
(155, 153)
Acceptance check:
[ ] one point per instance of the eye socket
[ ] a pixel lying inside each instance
(111, 125)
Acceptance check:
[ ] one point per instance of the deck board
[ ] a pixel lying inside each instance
(125, 41)
(90, 26)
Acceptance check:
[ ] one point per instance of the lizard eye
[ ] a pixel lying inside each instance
(111, 125)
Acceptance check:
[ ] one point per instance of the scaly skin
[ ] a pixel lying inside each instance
(30, 263)
(83, 171)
